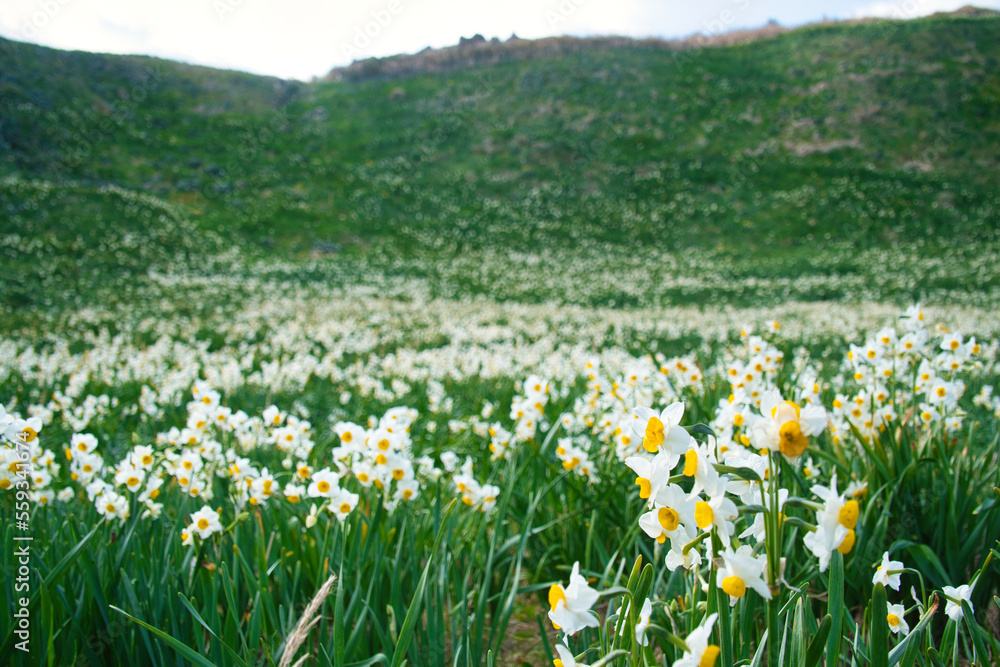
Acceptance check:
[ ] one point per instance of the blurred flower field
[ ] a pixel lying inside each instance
(469, 481)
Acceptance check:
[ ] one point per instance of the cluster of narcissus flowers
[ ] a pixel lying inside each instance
(217, 443)
(905, 374)
(571, 610)
(24, 464)
(888, 573)
(685, 518)
(482, 497)
(604, 410)
(574, 453)
(528, 409)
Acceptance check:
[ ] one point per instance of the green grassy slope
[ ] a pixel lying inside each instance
(846, 137)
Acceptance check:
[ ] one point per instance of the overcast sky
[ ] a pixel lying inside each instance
(306, 38)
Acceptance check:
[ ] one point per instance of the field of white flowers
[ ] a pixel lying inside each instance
(314, 473)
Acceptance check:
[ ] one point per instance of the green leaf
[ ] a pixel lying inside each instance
(50, 580)
(977, 640)
(176, 644)
(878, 638)
(815, 651)
(616, 590)
(669, 636)
(703, 429)
(339, 621)
(749, 474)
(910, 654)
(197, 617)
(835, 608)
(410, 621)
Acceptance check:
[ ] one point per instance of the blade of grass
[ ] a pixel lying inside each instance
(835, 608)
(815, 651)
(414, 611)
(878, 638)
(179, 646)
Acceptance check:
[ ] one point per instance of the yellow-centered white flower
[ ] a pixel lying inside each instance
(570, 606)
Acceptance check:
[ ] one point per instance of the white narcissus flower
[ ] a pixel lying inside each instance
(785, 427)
(676, 557)
(130, 476)
(205, 522)
(897, 623)
(718, 511)
(325, 484)
(757, 529)
(343, 503)
(652, 474)
(23, 430)
(640, 627)
(273, 416)
(82, 443)
(742, 570)
(887, 573)
(835, 524)
(672, 511)
(111, 505)
(699, 652)
(955, 597)
(698, 463)
(294, 492)
(655, 428)
(570, 610)
(142, 457)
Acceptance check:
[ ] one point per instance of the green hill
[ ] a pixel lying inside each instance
(824, 143)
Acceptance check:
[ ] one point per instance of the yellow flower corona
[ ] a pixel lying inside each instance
(709, 657)
(734, 586)
(848, 515)
(556, 593)
(644, 487)
(793, 442)
(703, 514)
(848, 543)
(690, 463)
(668, 518)
(654, 435)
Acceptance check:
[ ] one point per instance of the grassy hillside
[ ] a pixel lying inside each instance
(825, 143)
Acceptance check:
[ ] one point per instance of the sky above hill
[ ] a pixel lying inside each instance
(306, 38)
